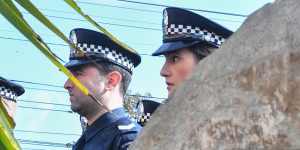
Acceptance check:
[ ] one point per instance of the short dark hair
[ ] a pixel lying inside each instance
(106, 67)
(201, 50)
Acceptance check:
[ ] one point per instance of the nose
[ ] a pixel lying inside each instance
(165, 72)
(68, 84)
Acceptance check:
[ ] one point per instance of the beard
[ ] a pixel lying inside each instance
(75, 109)
(80, 105)
(78, 110)
(84, 106)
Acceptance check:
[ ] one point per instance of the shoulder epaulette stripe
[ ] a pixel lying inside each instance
(126, 127)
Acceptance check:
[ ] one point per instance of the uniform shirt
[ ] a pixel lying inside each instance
(111, 131)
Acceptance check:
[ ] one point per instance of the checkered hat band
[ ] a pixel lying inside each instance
(8, 93)
(144, 118)
(174, 29)
(108, 53)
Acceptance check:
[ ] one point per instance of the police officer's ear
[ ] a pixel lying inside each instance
(113, 79)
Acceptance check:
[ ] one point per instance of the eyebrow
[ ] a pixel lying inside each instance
(77, 70)
(172, 53)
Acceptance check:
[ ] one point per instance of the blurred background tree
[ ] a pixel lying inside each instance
(131, 101)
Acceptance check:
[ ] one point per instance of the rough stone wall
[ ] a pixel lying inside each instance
(246, 95)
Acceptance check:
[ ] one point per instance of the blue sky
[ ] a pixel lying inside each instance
(22, 61)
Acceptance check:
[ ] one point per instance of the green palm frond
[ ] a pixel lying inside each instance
(73, 4)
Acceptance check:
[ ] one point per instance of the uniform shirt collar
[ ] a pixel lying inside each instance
(104, 121)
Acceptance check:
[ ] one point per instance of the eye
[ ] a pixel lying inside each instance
(77, 72)
(174, 58)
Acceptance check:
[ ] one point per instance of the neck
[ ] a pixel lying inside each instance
(111, 101)
(92, 118)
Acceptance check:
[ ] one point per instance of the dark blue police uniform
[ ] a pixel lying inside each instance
(112, 131)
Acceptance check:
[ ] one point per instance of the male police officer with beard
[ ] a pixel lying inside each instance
(105, 69)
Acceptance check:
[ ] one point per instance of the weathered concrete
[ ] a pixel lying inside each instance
(244, 96)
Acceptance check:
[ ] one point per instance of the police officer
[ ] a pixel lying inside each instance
(9, 92)
(105, 69)
(187, 39)
(145, 108)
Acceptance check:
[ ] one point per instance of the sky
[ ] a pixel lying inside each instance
(137, 25)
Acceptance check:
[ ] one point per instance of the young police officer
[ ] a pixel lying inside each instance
(187, 38)
(105, 69)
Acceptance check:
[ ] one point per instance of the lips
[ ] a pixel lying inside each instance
(70, 96)
(70, 92)
(169, 85)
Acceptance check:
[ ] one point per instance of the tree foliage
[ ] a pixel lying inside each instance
(131, 100)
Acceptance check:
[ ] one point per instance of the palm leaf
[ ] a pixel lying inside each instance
(103, 30)
(43, 19)
(38, 14)
(10, 14)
